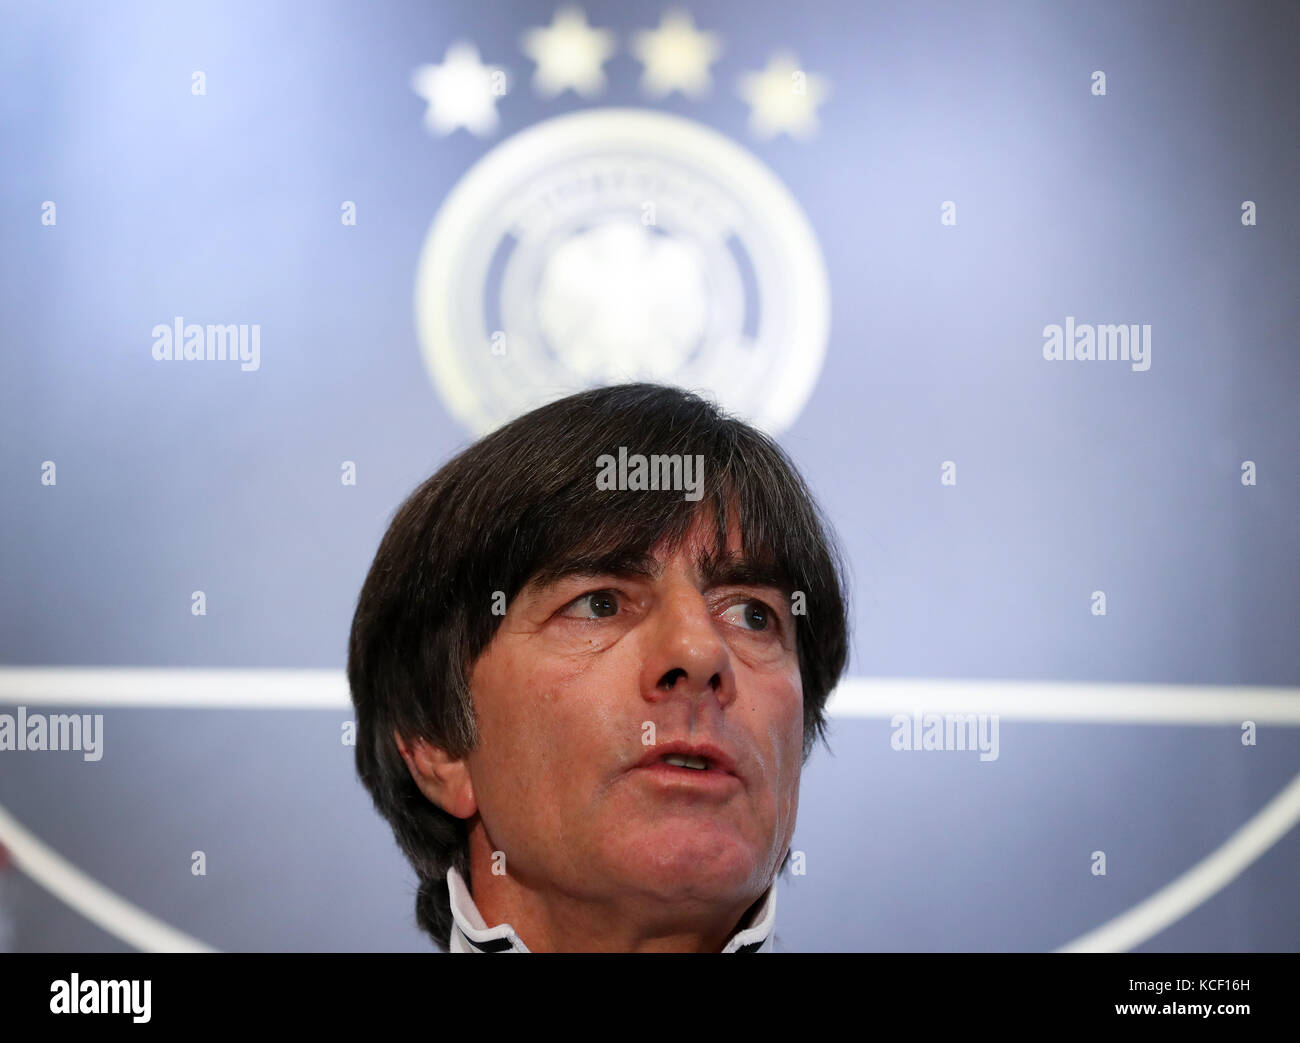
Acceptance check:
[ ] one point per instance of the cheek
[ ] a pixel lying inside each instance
(545, 727)
(787, 737)
(790, 771)
(502, 765)
(517, 744)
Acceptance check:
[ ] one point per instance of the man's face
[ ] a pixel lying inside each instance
(589, 676)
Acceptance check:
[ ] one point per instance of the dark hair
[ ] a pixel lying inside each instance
(523, 500)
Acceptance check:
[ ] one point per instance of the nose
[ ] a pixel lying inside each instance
(686, 658)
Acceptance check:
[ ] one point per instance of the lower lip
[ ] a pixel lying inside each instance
(675, 777)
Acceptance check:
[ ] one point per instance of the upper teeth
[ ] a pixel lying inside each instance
(683, 761)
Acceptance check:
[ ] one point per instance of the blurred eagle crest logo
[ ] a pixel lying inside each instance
(619, 243)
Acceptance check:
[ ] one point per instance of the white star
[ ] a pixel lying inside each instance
(461, 92)
(568, 54)
(675, 56)
(783, 98)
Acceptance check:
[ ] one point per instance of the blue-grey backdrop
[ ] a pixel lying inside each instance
(228, 206)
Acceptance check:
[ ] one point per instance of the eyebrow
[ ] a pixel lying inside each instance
(737, 571)
(714, 570)
(624, 564)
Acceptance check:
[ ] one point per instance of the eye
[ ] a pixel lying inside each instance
(598, 604)
(753, 615)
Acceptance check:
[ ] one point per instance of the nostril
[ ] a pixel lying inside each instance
(671, 678)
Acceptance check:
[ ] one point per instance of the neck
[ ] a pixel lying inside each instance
(550, 920)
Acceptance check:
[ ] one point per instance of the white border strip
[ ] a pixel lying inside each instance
(1205, 879)
(90, 898)
(860, 697)
(1078, 701)
(175, 688)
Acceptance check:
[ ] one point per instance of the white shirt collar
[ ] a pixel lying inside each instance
(469, 932)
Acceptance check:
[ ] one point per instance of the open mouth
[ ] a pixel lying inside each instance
(707, 774)
(704, 761)
(682, 760)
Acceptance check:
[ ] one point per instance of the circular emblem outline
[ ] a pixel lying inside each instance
(786, 235)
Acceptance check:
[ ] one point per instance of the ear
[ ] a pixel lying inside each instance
(442, 778)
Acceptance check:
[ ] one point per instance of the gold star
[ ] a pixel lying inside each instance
(783, 97)
(676, 56)
(569, 53)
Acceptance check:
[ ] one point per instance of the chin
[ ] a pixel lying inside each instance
(676, 860)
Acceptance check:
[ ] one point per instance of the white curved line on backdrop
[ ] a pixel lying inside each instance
(1205, 879)
(90, 898)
